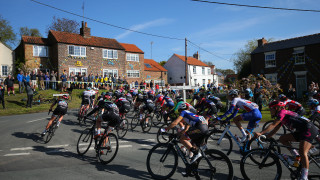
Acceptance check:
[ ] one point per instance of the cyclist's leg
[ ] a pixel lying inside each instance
(304, 148)
(53, 117)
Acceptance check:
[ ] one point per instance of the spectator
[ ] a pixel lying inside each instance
(20, 81)
(312, 90)
(33, 78)
(79, 80)
(85, 80)
(47, 80)
(105, 81)
(114, 80)
(41, 78)
(29, 91)
(96, 80)
(291, 94)
(72, 80)
(64, 82)
(90, 80)
(157, 88)
(26, 78)
(257, 95)
(136, 84)
(2, 89)
(151, 84)
(9, 82)
(53, 77)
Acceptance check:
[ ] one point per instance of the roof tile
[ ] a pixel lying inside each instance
(192, 61)
(34, 40)
(131, 48)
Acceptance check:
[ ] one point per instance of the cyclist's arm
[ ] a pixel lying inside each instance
(54, 103)
(228, 112)
(233, 115)
(270, 127)
(174, 123)
(273, 131)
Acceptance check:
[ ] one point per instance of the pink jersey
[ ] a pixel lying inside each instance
(246, 105)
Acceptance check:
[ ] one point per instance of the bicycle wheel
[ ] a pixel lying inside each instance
(162, 161)
(314, 167)
(50, 132)
(135, 121)
(146, 126)
(157, 118)
(225, 144)
(259, 168)
(280, 132)
(221, 166)
(84, 141)
(107, 148)
(122, 128)
(164, 137)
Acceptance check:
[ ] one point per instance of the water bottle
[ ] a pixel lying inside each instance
(297, 161)
(288, 159)
(184, 150)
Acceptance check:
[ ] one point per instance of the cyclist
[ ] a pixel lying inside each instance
(292, 105)
(100, 104)
(122, 103)
(195, 97)
(169, 104)
(304, 132)
(159, 100)
(110, 114)
(61, 109)
(128, 96)
(138, 101)
(209, 105)
(196, 129)
(252, 114)
(86, 101)
(315, 110)
(148, 106)
(216, 101)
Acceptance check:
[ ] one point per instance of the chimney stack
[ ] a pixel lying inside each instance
(262, 42)
(196, 55)
(84, 30)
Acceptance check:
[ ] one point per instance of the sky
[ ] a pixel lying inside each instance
(219, 30)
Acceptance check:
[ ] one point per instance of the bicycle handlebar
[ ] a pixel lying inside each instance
(263, 137)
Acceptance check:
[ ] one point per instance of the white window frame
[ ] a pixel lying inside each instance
(82, 51)
(209, 71)
(40, 51)
(203, 71)
(133, 73)
(132, 57)
(110, 72)
(270, 59)
(110, 54)
(77, 70)
(194, 70)
(299, 55)
(203, 81)
(195, 82)
(2, 71)
(273, 78)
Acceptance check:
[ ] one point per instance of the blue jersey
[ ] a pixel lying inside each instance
(192, 119)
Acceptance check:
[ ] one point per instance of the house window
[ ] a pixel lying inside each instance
(110, 54)
(76, 71)
(147, 65)
(203, 81)
(110, 72)
(133, 57)
(194, 70)
(298, 55)
(77, 51)
(133, 73)
(272, 78)
(203, 71)
(209, 71)
(195, 82)
(4, 70)
(41, 51)
(270, 59)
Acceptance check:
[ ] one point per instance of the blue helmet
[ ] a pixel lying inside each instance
(313, 102)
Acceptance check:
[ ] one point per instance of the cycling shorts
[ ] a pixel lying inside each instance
(60, 111)
(309, 134)
(85, 101)
(253, 117)
(112, 118)
(198, 133)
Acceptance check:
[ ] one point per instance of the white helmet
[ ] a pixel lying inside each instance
(182, 106)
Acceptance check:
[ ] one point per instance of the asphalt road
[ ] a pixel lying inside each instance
(23, 154)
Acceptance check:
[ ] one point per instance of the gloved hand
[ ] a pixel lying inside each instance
(163, 130)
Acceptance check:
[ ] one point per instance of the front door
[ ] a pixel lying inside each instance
(301, 83)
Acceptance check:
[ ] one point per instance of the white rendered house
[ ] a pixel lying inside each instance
(199, 73)
(6, 60)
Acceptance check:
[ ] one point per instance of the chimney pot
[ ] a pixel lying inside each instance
(85, 24)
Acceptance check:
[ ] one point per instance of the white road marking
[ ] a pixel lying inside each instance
(17, 154)
(21, 149)
(146, 145)
(150, 140)
(57, 146)
(125, 146)
(36, 120)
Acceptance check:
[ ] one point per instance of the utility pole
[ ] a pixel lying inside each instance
(186, 62)
(151, 48)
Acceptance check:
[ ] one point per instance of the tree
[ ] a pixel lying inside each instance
(25, 31)
(65, 25)
(162, 63)
(225, 72)
(208, 63)
(7, 35)
(243, 55)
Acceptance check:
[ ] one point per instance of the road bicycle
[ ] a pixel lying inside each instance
(262, 163)
(82, 113)
(122, 127)
(158, 116)
(162, 162)
(106, 146)
(145, 123)
(52, 129)
(222, 139)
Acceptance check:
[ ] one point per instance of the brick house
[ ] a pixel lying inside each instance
(293, 61)
(81, 53)
(155, 72)
(199, 73)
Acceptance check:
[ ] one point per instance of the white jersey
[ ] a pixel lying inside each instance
(246, 105)
(88, 94)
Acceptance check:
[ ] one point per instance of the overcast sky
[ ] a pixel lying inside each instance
(222, 30)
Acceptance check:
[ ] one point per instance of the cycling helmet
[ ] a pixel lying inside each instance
(107, 97)
(103, 93)
(282, 97)
(233, 92)
(313, 102)
(182, 106)
(179, 98)
(66, 97)
(276, 104)
(117, 94)
(88, 88)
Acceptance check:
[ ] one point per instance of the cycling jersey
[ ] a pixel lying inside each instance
(192, 119)
(148, 105)
(191, 108)
(123, 104)
(169, 101)
(160, 99)
(207, 104)
(292, 105)
(304, 129)
(111, 114)
(62, 107)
